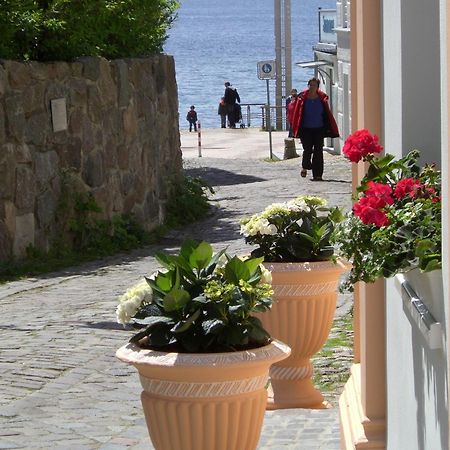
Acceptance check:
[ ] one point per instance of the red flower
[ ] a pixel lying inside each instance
(359, 144)
(381, 192)
(406, 186)
(369, 211)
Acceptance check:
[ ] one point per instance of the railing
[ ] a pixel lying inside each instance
(257, 114)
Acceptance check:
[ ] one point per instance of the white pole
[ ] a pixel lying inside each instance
(278, 61)
(288, 47)
(268, 118)
(199, 128)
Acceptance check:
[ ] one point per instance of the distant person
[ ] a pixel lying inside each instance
(222, 111)
(191, 117)
(231, 96)
(290, 106)
(312, 121)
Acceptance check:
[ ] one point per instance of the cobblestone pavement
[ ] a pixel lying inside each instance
(61, 386)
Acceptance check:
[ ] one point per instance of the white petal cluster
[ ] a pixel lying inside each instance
(131, 301)
(298, 205)
(266, 275)
(258, 225)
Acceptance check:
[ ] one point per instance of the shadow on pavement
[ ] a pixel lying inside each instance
(220, 177)
(330, 180)
(105, 325)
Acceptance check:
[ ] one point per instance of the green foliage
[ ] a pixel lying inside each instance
(48, 30)
(298, 230)
(188, 201)
(201, 302)
(406, 200)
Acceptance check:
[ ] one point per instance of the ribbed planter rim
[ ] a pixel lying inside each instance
(308, 266)
(133, 354)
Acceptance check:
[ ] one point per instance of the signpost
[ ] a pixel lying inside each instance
(267, 71)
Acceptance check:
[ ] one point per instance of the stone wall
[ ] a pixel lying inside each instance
(122, 142)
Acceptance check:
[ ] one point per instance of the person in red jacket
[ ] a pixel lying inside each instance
(312, 121)
(290, 108)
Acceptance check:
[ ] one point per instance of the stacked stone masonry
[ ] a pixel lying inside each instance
(122, 142)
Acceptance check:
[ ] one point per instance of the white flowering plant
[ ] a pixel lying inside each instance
(200, 302)
(294, 231)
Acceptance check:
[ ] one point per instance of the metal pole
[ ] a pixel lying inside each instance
(268, 118)
(278, 61)
(199, 127)
(288, 47)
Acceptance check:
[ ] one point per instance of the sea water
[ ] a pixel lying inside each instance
(214, 41)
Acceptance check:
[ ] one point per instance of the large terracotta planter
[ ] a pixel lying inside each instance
(302, 314)
(213, 401)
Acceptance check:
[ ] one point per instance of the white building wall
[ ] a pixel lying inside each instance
(343, 82)
(417, 410)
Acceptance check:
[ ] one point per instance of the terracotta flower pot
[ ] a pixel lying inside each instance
(204, 401)
(302, 314)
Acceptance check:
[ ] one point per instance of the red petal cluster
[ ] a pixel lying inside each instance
(407, 186)
(413, 188)
(359, 144)
(369, 213)
(370, 207)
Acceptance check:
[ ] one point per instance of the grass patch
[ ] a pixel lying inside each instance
(332, 363)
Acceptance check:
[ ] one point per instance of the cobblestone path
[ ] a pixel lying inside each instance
(61, 386)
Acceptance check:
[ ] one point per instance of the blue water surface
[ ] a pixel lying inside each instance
(214, 41)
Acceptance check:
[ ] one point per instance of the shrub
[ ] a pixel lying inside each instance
(48, 30)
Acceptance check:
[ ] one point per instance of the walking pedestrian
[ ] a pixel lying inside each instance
(222, 111)
(191, 117)
(313, 121)
(231, 96)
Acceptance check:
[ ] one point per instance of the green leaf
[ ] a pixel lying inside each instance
(176, 299)
(164, 281)
(201, 299)
(434, 264)
(187, 247)
(212, 326)
(201, 255)
(308, 237)
(142, 334)
(165, 260)
(236, 270)
(150, 320)
(257, 332)
(252, 264)
(186, 324)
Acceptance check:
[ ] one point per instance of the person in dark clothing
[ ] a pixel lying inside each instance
(231, 96)
(191, 117)
(222, 111)
(312, 121)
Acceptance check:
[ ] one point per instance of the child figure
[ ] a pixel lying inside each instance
(191, 117)
(222, 111)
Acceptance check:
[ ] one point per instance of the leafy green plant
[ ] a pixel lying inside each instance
(188, 201)
(294, 231)
(200, 302)
(395, 224)
(47, 30)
